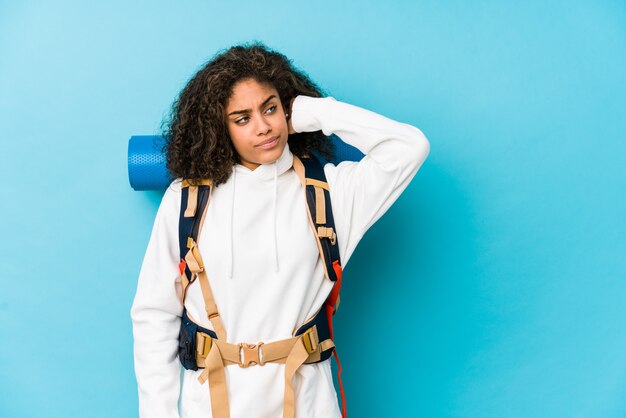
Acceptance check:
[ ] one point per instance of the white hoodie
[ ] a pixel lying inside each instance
(263, 264)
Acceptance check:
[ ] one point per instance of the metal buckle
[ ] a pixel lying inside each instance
(310, 339)
(249, 355)
(203, 344)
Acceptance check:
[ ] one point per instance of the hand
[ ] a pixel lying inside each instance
(291, 130)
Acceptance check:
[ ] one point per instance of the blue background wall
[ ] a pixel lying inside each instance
(500, 273)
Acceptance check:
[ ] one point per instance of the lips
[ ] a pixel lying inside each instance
(268, 141)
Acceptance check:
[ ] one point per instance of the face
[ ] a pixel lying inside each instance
(256, 123)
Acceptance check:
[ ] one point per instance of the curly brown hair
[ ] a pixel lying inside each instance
(197, 142)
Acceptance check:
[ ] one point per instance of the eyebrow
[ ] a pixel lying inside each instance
(236, 112)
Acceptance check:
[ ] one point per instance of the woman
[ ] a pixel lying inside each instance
(241, 122)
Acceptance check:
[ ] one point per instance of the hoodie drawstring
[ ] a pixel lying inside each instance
(274, 216)
(232, 216)
(265, 174)
(274, 210)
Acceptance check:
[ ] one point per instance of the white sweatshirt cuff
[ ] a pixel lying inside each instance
(304, 110)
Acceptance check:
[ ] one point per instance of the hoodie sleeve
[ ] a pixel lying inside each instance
(361, 192)
(156, 314)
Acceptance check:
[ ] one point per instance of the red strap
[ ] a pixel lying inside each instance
(329, 317)
(182, 265)
(330, 310)
(343, 393)
(331, 301)
(334, 294)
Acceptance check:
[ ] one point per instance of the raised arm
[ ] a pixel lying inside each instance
(156, 313)
(363, 191)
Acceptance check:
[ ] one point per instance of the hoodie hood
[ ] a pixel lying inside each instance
(263, 173)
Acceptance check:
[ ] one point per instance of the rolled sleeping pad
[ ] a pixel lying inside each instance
(147, 168)
(146, 163)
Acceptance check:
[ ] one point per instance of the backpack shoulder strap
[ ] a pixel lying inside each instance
(193, 209)
(311, 174)
(193, 206)
(313, 179)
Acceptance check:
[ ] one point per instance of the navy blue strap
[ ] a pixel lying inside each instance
(189, 227)
(314, 170)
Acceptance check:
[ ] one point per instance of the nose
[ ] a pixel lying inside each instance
(263, 126)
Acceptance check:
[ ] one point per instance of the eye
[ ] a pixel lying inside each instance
(239, 120)
(272, 108)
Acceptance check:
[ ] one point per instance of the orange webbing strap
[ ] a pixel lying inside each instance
(215, 372)
(218, 387)
(192, 196)
(244, 354)
(201, 182)
(214, 364)
(274, 352)
(192, 258)
(296, 358)
(194, 262)
(326, 232)
(192, 202)
(291, 351)
(320, 205)
(211, 308)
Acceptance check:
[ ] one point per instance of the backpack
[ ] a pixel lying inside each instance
(312, 342)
